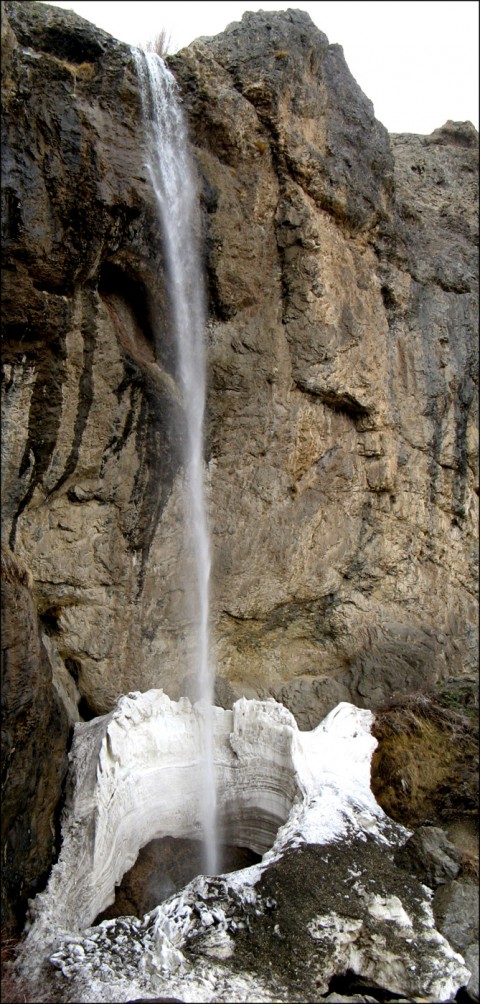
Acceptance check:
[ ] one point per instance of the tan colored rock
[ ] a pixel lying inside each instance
(343, 400)
(341, 432)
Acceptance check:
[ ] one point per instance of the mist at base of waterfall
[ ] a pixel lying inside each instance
(163, 867)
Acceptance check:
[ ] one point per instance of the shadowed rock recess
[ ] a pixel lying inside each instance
(341, 441)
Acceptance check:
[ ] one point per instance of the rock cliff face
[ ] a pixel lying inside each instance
(342, 415)
(34, 740)
(342, 407)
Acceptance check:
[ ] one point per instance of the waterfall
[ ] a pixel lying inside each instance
(171, 173)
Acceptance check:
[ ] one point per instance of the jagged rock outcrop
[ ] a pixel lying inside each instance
(342, 407)
(430, 855)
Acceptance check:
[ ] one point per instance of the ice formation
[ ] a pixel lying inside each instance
(134, 776)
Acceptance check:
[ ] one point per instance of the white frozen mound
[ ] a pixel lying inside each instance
(136, 775)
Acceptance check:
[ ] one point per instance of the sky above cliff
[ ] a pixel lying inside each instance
(417, 61)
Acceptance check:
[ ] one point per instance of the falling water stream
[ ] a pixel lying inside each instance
(170, 169)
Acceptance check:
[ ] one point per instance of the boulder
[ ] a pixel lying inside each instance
(430, 855)
(471, 954)
(455, 905)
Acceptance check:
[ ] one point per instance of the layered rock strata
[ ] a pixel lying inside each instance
(267, 932)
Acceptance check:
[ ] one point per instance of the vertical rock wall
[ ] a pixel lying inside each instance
(91, 415)
(343, 404)
(34, 740)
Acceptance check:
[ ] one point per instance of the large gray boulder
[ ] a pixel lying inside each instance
(430, 855)
(455, 907)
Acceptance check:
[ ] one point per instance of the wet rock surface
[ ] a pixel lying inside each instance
(34, 739)
(91, 420)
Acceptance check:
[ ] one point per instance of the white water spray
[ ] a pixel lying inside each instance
(171, 173)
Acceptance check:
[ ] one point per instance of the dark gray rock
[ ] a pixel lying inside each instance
(455, 906)
(471, 956)
(456, 909)
(430, 856)
(271, 57)
(34, 748)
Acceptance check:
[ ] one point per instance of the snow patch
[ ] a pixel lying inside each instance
(135, 776)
